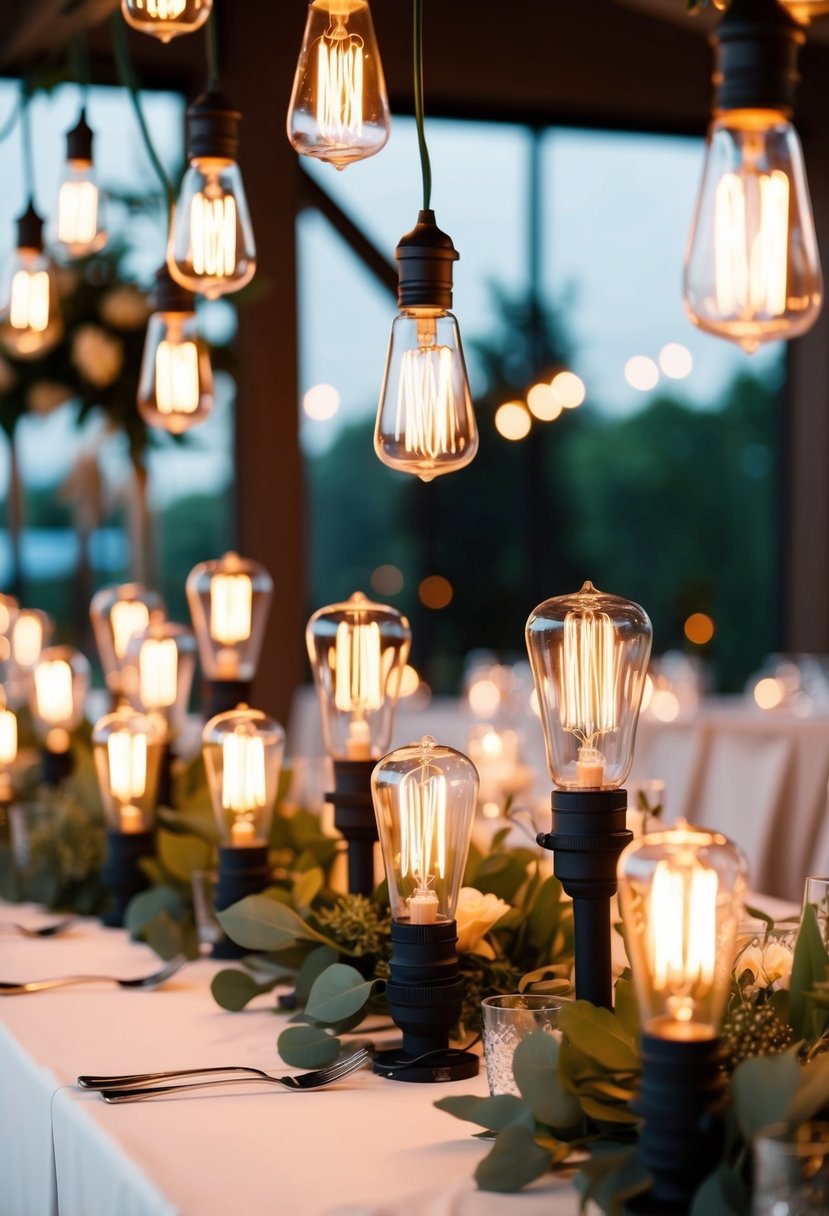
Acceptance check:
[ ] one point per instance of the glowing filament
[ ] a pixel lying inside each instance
(231, 597)
(423, 827)
(29, 308)
(128, 617)
(127, 755)
(162, 10)
(683, 933)
(427, 416)
(590, 672)
(53, 690)
(358, 675)
(27, 640)
(340, 86)
(213, 228)
(751, 237)
(243, 772)
(8, 736)
(158, 673)
(78, 213)
(177, 377)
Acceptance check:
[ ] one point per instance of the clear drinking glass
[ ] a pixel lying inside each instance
(506, 1020)
(791, 1170)
(816, 893)
(209, 930)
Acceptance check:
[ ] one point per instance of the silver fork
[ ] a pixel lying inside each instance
(145, 982)
(51, 930)
(135, 1090)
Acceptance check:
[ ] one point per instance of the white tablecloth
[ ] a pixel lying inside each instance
(364, 1147)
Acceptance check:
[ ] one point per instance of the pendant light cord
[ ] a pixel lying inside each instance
(425, 164)
(127, 77)
(79, 65)
(26, 141)
(213, 66)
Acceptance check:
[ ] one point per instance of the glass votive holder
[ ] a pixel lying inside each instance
(791, 1170)
(208, 929)
(506, 1020)
(816, 893)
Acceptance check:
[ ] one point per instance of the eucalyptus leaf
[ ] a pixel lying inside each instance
(494, 1114)
(514, 1160)
(234, 989)
(610, 1176)
(553, 973)
(600, 1034)
(307, 887)
(626, 1007)
(260, 923)
(316, 962)
(812, 1094)
(535, 1068)
(307, 1047)
(808, 968)
(721, 1194)
(764, 1089)
(338, 994)
(145, 907)
(180, 855)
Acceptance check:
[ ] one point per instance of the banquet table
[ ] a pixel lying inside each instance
(363, 1147)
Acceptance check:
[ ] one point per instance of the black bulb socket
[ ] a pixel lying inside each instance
(79, 141)
(122, 874)
(756, 47)
(354, 817)
(30, 229)
(56, 766)
(213, 128)
(221, 696)
(169, 295)
(424, 260)
(242, 872)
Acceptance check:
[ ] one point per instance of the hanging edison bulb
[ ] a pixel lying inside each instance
(339, 109)
(80, 226)
(175, 388)
(752, 269)
(425, 420)
(211, 249)
(30, 321)
(166, 19)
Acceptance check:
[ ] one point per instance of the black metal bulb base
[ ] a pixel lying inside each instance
(756, 45)
(681, 1098)
(243, 871)
(589, 832)
(221, 696)
(354, 817)
(424, 263)
(56, 766)
(122, 874)
(425, 995)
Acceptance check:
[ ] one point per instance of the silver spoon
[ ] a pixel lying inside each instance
(51, 930)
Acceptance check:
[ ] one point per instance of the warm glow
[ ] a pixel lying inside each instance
(423, 837)
(29, 306)
(8, 737)
(751, 236)
(409, 681)
(647, 693)
(427, 415)
(589, 693)
(78, 213)
(358, 683)
(492, 744)
(387, 580)
(340, 85)
(675, 360)
(435, 591)
(243, 772)
(162, 10)
(53, 691)
(213, 229)
(484, 697)
(568, 390)
(699, 628)
(231, 601)
(543, 403)
(769, 693)
(321, 402)
(512, 420)
(177, 388)
(664, 705)
(158, 673)
(27, 639)
(683, 945)
(535, 706)
(127, 755)
(127, 618)
(641, 373)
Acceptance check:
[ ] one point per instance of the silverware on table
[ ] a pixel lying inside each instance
(50, 930)
(145, 981)
(137, 1086)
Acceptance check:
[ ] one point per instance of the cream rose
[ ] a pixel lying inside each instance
(97, 356)
(476, 915)
(769, 966)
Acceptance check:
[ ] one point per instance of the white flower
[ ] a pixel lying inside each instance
(97, 356)
(46, 395)
(125, 307)
(476, 915)
(769, 966)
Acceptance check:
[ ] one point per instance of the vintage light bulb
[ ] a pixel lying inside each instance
(752, 269)
(30, 631)
(166, 19)
(158, 668)
(243, 755)
(339, 109)
(425, 420)
(229, 600)
(128, 749)
(80, 222)
(358, 650)
(8, 737)
(60, 683)
(589, 654)
(116, 614)
(175, 387)
(211, 249)
(30, 320)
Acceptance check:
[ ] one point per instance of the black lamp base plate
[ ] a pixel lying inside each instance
(437, 1066)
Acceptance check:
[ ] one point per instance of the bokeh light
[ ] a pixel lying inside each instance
(769, 693)
(321, 402)
(484, 697)
(543, 403)
(676, 361)
(387, 580)
(568, 389)
(435, 591)
(641, 373)
(512, 420)
(664, 705)
(699, 628)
